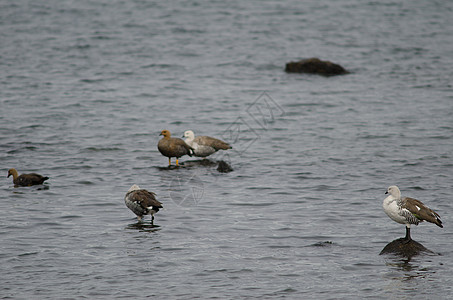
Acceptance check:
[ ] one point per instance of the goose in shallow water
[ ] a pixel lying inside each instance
(26, 179)
(173, 147)
(408, 211)
(142, 202)
(204, 145)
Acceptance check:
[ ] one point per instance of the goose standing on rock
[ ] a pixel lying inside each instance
(141, 202)
(204, 145)
(408, 211)
(26, 179)
(173, 147)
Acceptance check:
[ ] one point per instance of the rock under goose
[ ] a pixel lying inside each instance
(408, 211)
(204, 145)
(141, 202)
(173, 147)
(26, 179)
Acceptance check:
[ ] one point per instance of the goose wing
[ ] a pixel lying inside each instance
(421, 211)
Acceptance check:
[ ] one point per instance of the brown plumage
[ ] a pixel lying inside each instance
(26, 179)
(173, 147)
(421, 211)
(142, 202)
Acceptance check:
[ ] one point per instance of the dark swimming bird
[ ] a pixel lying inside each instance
(26, 179)
(142, 202)
(408, 211)
(204, 145)
(173, 147)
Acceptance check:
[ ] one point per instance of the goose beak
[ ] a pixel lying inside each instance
(386, 192)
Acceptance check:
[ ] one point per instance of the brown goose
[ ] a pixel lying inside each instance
(173, 147)
(141, 202)
(26, 179)
(407, 210)
(204, 145)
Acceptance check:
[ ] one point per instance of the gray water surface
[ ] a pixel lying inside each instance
(87, 86)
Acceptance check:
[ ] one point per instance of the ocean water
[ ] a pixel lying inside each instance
(87, 86)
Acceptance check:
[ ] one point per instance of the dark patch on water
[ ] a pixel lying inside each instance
(143, 227)
(322, 244)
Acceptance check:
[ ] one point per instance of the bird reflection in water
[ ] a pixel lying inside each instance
(400, 254)
(406, 269)
(143, 227)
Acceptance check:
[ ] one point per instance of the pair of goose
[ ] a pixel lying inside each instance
(403, 210)
(201, 146)
(140, 201)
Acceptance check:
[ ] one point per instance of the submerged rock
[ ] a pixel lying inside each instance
(323, 244)
(224, 167)
(315, 66)
(403, 247)
(201, 162)
(204, 162)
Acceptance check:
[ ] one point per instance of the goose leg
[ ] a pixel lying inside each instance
(408, 234)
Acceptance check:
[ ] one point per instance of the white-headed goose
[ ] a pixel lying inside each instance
(408, 211)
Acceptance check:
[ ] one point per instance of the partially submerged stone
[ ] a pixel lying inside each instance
(224, 167)
(315, 66)
(405, 248)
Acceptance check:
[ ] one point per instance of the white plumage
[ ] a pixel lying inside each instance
(408, 211)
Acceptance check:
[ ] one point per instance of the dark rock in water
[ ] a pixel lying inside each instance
(206, 162)
(315, 66)
(200, 162)
(323, 244)
(405, 248)
(224, 167)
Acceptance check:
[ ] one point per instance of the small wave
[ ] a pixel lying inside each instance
(85, 182)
